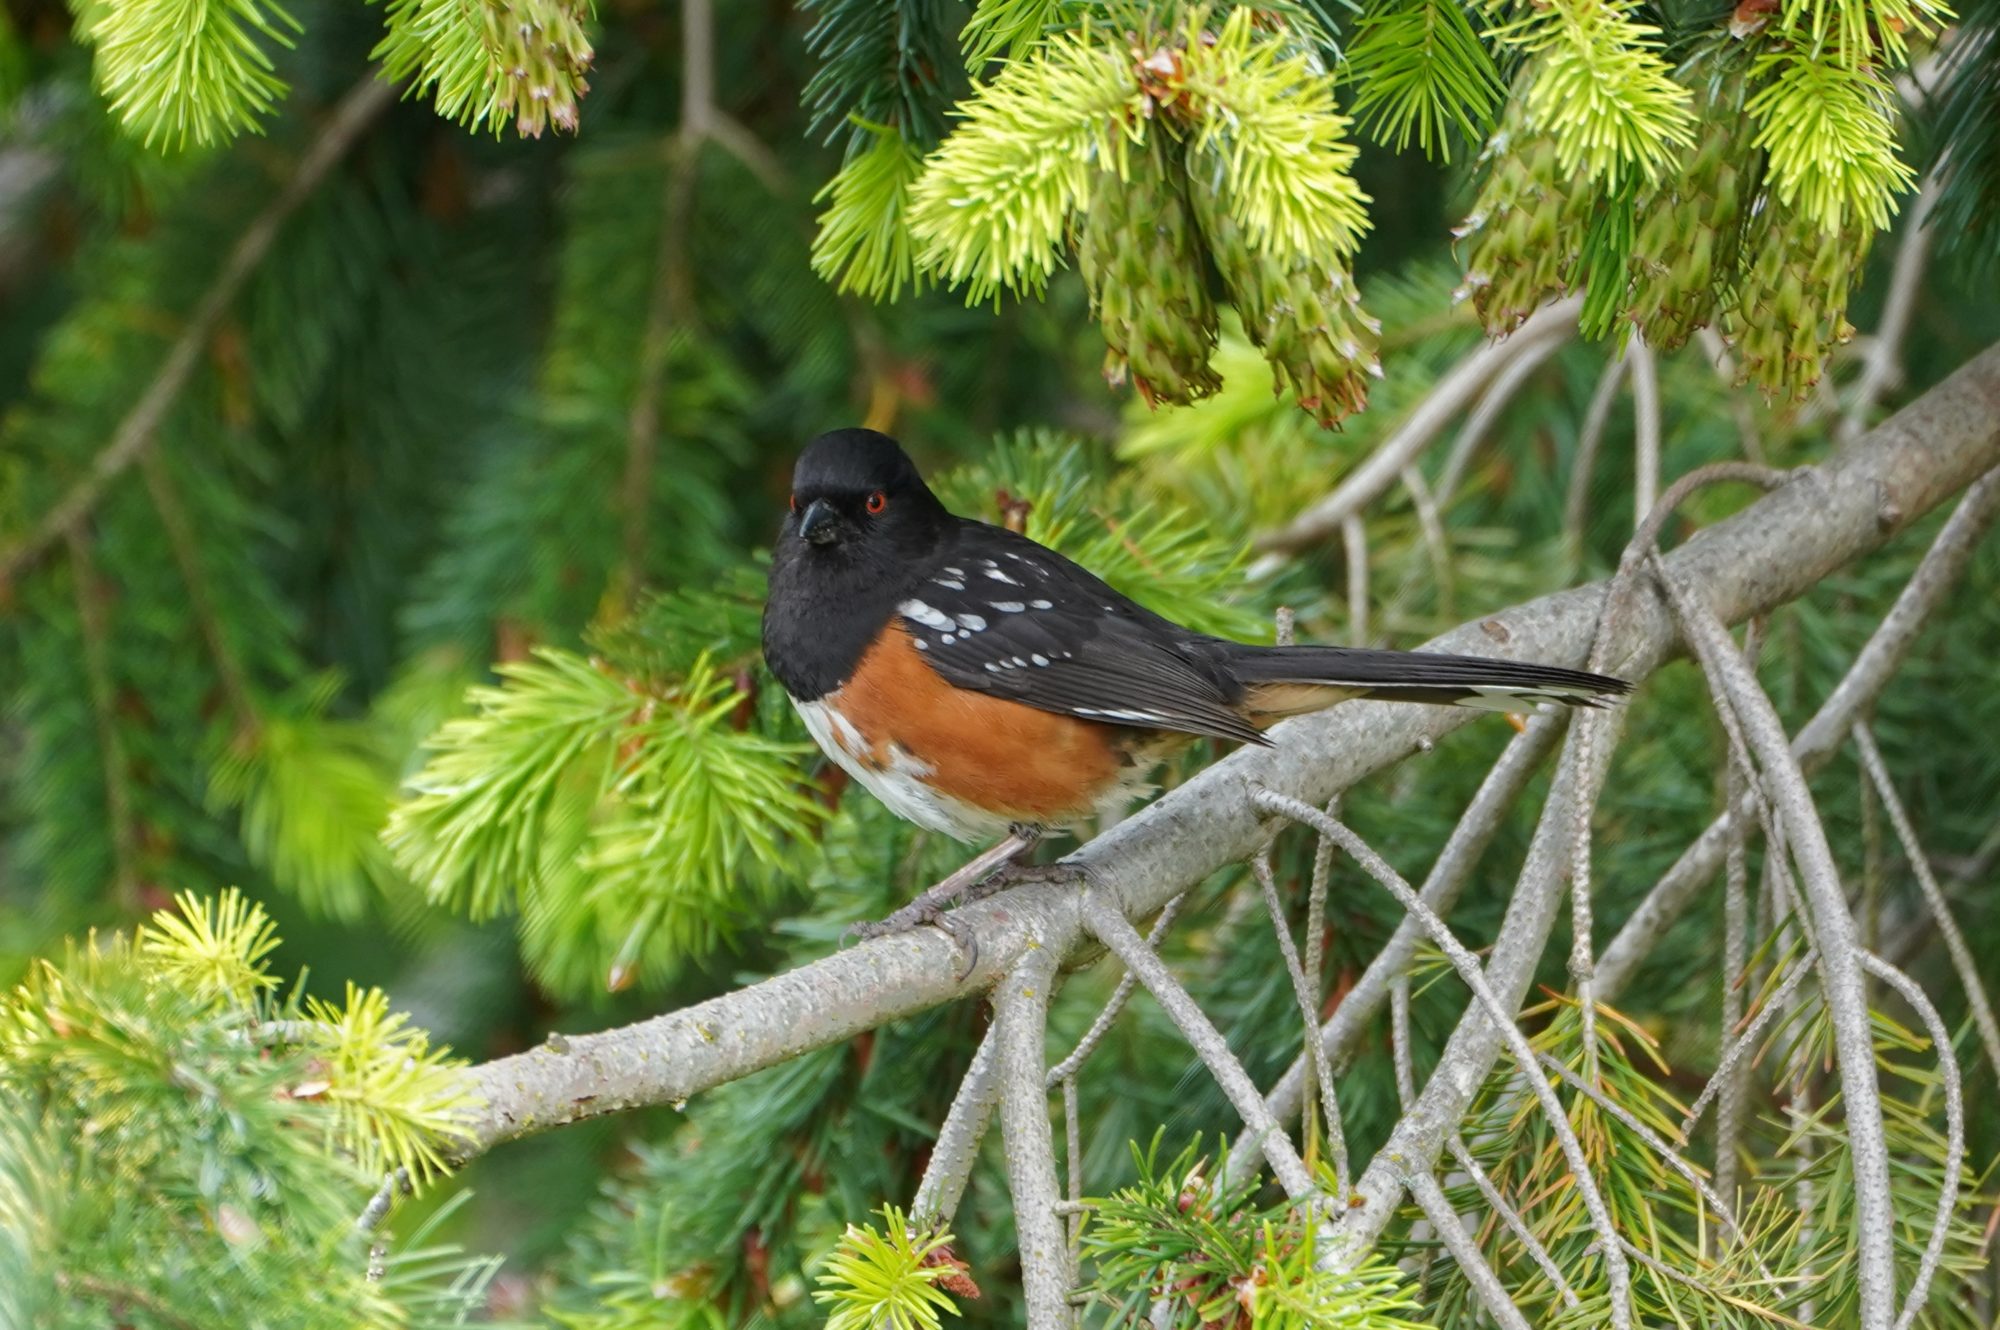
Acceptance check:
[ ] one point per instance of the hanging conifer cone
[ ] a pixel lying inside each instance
(1305, 314)
(1525, 229)
(1792, 300)
(1141, 260)
(543, 56)
(1691, 229)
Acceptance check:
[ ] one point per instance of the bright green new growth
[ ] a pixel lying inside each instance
(1831, 137)
(993, 207)
(187, 71)
(173, 1142)
(886, 1279)
(653, 803)
(1222, 1256)
(1264, 108)
(1602, 90)
(863, 244)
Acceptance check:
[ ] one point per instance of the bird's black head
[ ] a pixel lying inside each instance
(861, 528)
(856, 496)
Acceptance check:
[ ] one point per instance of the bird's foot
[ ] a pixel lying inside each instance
(975, 880)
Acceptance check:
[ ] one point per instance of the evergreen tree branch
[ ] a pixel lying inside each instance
(183, 545)
(91, 594)
(1498, 1011)
(1462, 851)
(1771, 552)
(1954, 1116)
(1110, 926)
(350, 118)
(1260, 867)
(1532, 353)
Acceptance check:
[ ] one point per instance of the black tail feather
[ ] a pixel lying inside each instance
(1420, 676)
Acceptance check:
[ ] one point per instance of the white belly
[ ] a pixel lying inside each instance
(897, 781)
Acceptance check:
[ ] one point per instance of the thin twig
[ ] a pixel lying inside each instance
(1120, 995)
(1913, 850)
(1839, 970)
(1485, 1285)
(377, 1209)
(1436, 543)
(1021, 1011)
(1354, 543)
(186, 551)
(950, 1167)
(1874, 665)
(1645, 427)
(1073, 1159)
(1462, 850)
(1741, 1044)
(1453, 393)
(90, 594)
(1112, 929)
(1260, 866)
(1511, 1217)
(1399, 1040)
(1493, 404)
(1589, 442)
(1881, 365)
(1954, 1128)
(1474, 978)
(135, 433)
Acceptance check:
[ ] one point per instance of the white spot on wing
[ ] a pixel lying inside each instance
(1042, 604)
(1039, 658)
(924, 614)
(1009, 606)
(999, 576)
(971, 623)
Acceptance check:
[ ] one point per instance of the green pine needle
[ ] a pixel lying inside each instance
(1419, 69)
(313, 794)
(1266, 110)
(1603, 91)
(863, 245)
(397, 1102)
(1830, 132)
(993, 206)
(472, 836)
(878, 1280)
(181, 71)
(215, 948)
(1007, 28)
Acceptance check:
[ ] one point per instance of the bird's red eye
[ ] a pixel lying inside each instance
(877, 501)
(795, 503)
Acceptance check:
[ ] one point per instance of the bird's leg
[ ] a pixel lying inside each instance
(974, 880)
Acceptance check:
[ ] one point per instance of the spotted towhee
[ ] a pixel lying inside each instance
(979, 683)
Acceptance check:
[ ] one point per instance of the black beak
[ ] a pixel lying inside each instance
(820, 524)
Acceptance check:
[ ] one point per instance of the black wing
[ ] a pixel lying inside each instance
(1002, 615)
